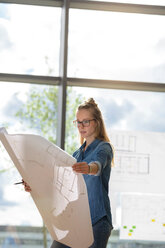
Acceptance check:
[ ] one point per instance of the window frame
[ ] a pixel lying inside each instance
(63, 80)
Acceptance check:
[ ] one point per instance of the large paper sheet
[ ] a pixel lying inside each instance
(59, 194)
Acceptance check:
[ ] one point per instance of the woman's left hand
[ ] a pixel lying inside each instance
(81, 167)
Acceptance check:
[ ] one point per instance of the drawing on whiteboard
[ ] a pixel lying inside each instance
(130, 164)
(124, 142)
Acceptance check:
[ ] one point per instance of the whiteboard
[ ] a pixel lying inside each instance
(138, 177)
(142, 217)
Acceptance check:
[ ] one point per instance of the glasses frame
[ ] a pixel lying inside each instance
(84, 123)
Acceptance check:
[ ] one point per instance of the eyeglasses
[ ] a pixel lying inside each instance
(84, 123)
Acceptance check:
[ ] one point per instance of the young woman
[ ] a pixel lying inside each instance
(94, 159)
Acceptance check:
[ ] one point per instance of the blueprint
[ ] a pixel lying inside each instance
(59, 194)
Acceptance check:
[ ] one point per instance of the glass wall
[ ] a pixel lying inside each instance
(129, 110)
(26, 109)
(116, 46)
(30, 39)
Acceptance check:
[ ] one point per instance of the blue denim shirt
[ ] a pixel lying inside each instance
(99, 152)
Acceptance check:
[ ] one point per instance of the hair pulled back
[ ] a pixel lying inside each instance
(101, 132)
(91, 105)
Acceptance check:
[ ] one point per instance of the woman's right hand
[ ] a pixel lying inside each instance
(26, 187)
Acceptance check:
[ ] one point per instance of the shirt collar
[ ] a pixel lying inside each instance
(92, 145)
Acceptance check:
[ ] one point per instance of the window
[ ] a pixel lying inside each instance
(30, 39)
(26, 109)
(116, 46)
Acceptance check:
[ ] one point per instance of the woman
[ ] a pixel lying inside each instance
(94, 159)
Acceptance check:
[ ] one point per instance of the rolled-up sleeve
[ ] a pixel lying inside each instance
(103, 157)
